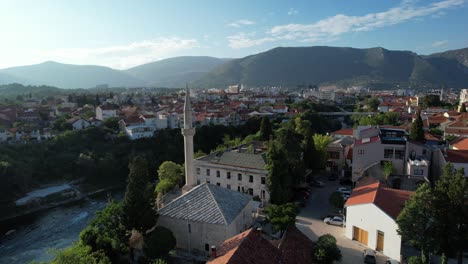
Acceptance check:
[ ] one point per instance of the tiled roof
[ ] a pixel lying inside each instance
(207, 203)
(457, 156)
(366, 141)
(236, 159)
(460, 143)
(369, 190)
(344, 132)
(296, 247)
(248, 247)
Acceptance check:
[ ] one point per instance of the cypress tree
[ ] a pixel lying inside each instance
(265, 128)
(463, 108)
(278, 176)
(416, 130)
(138, 201)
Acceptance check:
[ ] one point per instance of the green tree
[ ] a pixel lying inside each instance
(265, 128)
(430, 101)
(80, 254)
(463, 108)
(336, 199)
(416, 130)
(112, 123)
(414, 260)
(372, 104)
(107, 232)
(138, 201)
(281, 216)
(321, 142)
(326, 251)
(171, 171)
(159, 242)
(416, 220)
(388, 169)
(278, 180)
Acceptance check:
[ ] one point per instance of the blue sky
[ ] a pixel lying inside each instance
(122, 34)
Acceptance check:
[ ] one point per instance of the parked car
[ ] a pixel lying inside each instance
(346, 192)
(342, 189)
(336, 220)
(392, 261)
(346, 181)
(369, 256)
(345, 197)
(317, 183)
(332, 177)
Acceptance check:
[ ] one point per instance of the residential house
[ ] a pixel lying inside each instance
(205, 216)
(78, 123)
(371, 211)
(458, 158)
(106, 111)
(460, 143)
(336, 154)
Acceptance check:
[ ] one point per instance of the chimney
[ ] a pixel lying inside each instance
(213, 252)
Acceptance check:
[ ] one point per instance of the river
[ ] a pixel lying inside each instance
(56, 228)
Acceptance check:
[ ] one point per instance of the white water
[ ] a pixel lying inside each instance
(42, 193)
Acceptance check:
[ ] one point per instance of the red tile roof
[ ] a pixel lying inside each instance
(296, 247)
(460, 143)
(371, 140)
(344, 132)
(369, 190)
(457, 156)
(248, 247)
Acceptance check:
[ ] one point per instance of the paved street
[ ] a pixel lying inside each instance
(310, 222)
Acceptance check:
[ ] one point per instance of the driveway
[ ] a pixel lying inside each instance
(310, 222)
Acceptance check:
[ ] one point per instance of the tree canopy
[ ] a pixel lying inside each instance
(416, 130)
(326, 251)
(158, 243)
(281, 216)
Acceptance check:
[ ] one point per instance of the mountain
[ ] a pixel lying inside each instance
(71, 76)
(175, 72)
(460, 55)
(294, 66)
(6, 79)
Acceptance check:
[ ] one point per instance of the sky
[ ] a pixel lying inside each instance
(122, 34)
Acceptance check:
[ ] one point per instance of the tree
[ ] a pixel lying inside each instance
(138, 201)
(171, 171)
(278, 181)
(451, 211)
(372, 104)
(265, 129)
(321, 142)
(107, 232)
(463, 108)
(431, 100)
(416, 220)
(416, 130)
(336, 199)
(388, 169)
(326, 251)
(80, 254)
(281, 216)
(158, 243)
(112, 123)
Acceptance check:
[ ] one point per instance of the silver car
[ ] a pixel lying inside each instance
(336, 220)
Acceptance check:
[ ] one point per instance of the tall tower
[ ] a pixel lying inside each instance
(188, 131)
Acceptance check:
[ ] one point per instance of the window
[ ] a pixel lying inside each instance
(388, 153)
(424, 152)
(263, 180)
(198, 182)
(250, 178)
(207, 181)
(418, 172)
(243, 190)
(189, 228)
(198, 170)
(360, 152)
(228, 186)
(238, 188)
(207, 172)
(239, 177)
(250, 191)
(207, 247)
(228, 175)
(219, 184)
(218, 174)
(263, 194)
(399, 154)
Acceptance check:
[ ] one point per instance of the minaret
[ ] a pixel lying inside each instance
(188, 131)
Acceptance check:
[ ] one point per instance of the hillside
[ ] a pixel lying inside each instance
(460, 55)
(322, 65)
(72, 76)
(175, 72)
(6, 79)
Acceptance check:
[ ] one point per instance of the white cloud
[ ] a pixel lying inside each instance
(332, 27)
(241, 22)
(125, 56)
(292, 12)
(439, 43)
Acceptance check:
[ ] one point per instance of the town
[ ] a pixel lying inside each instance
(345, 186)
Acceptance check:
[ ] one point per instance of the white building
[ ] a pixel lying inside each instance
(371, 211)
(240, 169)
(106, 111)
(205, 216)
(139, 131)
(463, 95)
(78, 123)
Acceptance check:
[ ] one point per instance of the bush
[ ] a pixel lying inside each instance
(336, 199)
(326, 251)
(80, 254)
(159, 242)
(414, 260)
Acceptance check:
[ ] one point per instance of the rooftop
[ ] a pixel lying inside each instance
(457, 156)
(207, 203)
(240, 156)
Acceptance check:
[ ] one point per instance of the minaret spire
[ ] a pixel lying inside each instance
(188, 131)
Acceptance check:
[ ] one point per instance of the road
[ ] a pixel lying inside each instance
(310, 222)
